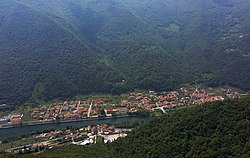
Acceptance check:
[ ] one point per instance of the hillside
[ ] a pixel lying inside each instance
(218, 129)
(61, 48)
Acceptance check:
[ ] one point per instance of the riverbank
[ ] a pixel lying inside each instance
(63, 121)
(19, 131)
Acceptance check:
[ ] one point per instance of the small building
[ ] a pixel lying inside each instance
(16, 118)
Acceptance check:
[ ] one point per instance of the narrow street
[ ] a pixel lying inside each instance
(90, 107)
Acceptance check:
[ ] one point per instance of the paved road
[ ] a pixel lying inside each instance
(90, 107)
(78, 105)
(47, 112)
(159, 108)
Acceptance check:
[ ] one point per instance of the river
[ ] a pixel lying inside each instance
(19, 131)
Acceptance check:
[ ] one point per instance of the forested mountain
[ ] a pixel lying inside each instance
(217, 129)
(61, 48)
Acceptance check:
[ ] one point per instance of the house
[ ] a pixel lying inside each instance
(16, 118)
(42, 113)
(19, 149)
(122, 110)
(34, 117)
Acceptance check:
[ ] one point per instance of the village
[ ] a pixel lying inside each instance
(88, 135)
(105, 107)
(126, 105)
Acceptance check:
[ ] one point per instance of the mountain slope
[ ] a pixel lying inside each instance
(206, 35)
(218, 129)
(52, 49)
(126, 39)
(35, 50)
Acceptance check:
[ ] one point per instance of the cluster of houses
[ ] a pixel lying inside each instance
(66, 111)
(129, 104)
(152, 100)
(84, 136)
(105, 133)
(11, 119)
(80, 109)
(118, 111)
(230, 93)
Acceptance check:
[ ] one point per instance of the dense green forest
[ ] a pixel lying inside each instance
(61, 48)
(217, 129)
